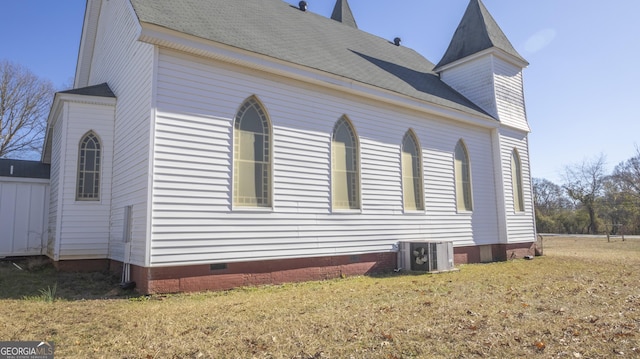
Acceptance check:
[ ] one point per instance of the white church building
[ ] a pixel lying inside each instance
(210, 144)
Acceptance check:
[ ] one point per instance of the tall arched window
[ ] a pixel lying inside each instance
(412, 183)
(464, 196)
(252, 156)
(516, 180)
(345, 174)
(89, 166)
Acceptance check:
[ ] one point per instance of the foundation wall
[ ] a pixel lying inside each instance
(234, 275)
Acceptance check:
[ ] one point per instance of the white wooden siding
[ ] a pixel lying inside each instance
(54, 181)
(475, 80)
(520, 225)
(493, 84)
(23, 216)
(83, 226)
(193, 221)
(127, 66)
(509, 94)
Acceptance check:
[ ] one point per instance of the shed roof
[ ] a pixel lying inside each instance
(24, 169)
(101, 90)
(476, 32)
(281, 31)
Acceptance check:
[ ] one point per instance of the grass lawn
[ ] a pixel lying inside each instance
(581, 300)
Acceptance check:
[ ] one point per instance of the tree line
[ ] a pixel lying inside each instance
(590, 200)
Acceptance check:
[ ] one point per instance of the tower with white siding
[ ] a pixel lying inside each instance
(482, 64)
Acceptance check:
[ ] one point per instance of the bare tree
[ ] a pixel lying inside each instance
(628, 174)
(548, 196)
(25, 100)
(584, 183)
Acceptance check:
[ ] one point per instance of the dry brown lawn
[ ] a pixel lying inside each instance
(581, 300)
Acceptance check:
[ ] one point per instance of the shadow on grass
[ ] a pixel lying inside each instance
(32, 277)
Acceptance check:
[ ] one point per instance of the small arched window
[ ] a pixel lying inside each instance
(89, 167)
(345, 166)
(516, 180)
(462, 169)
(412, 183)
(252, 156)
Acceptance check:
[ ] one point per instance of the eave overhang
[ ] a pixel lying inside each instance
(171, 39)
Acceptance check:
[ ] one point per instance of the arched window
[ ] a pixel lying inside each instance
(412, 183)
(89, 166)
(516, 180)
(252, 156)
(464, 196)
(345, 166)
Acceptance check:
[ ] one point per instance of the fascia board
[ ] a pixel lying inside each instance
(490, 51)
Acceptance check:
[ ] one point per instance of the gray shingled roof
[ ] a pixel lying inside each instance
(342, 13)
(101, 90)
(281, 31)
(24, 169)
(476, 32)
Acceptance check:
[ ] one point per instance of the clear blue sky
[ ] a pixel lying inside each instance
(582, 87)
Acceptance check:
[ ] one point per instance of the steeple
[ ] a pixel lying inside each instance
(476, 32)
(342, 13)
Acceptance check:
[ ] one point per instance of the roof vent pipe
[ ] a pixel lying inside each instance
(302, 5)
(397, 41)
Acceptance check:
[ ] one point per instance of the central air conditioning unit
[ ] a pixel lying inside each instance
(425, 256)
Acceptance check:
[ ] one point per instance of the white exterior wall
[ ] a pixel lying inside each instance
(127, 66)
(520, 225)
(193, 220)
(82, 227)
(475, 80)
(23, 216)
(493, 84)
(57, 136)
(510, 94)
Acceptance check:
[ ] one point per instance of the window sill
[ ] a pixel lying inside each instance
(88, 201)
(346, 211)
(418, 212)
(253, 209)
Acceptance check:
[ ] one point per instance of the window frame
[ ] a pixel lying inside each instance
(353, 204)
(82, 195)
(463, 186)
(517, 182)
(267, 152)
(417, 169)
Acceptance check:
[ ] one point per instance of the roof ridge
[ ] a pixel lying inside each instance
(342, 13)
(477, 31)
